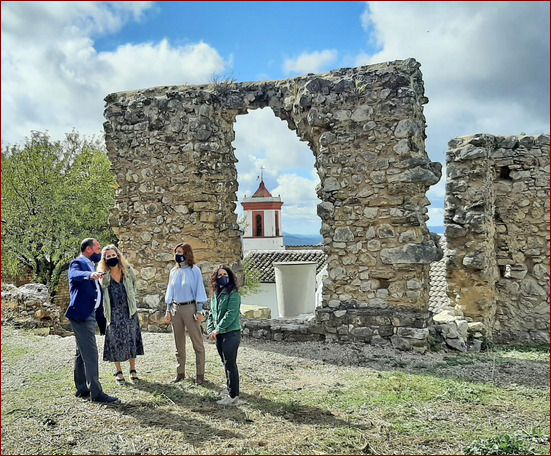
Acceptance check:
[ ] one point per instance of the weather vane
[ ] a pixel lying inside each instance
(261, 177)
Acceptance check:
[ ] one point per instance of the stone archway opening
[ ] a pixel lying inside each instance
(264, 146)
(270, 156)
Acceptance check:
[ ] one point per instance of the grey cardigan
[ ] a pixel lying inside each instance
(129, 281)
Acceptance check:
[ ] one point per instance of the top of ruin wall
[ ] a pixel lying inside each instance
(409, 65)
(493, 143)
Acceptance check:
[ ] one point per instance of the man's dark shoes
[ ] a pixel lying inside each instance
(200, 380)
(105, 398)
(83, 394)
(178, 378)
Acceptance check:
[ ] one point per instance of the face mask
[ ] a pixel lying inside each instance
(95, 257)
(223, 281)
(112, 262)
(180, 258)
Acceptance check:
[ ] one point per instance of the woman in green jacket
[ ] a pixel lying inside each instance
(224, 327)
(123, 337)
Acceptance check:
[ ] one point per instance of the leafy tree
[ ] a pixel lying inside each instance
(54, 194)
(252, 279)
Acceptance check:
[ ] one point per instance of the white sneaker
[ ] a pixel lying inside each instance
(227, 400)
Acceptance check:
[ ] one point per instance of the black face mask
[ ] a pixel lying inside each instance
(112, 262)
(95, 257)
(180, 258)
(222, 281)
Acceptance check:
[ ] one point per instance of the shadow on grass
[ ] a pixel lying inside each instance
(182, 396)
(168, 407)
(484, 367)
(290, 410)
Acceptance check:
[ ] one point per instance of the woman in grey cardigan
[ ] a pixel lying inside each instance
(123, 337)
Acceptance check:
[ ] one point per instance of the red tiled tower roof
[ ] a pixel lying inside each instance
(262, 191)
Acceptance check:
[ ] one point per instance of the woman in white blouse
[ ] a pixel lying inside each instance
(185, 295)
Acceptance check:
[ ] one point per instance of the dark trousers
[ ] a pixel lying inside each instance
(227, 345)
(86, 373)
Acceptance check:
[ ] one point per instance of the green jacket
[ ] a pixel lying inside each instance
(225, 312)
(129, 281)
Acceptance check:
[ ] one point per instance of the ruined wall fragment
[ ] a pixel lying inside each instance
(497, 228)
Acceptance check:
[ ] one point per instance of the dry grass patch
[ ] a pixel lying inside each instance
(298, 398)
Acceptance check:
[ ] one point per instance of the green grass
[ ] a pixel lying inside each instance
(390, 404)
(518, 443)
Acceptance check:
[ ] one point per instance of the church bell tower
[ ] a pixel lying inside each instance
(263, 230)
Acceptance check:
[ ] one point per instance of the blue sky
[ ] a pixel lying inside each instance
(485, 67)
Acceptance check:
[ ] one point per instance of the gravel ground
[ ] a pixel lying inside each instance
(41, 416)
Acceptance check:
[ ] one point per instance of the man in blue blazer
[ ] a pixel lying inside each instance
(84, 312)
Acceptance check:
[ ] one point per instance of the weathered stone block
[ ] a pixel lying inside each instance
(411, 254)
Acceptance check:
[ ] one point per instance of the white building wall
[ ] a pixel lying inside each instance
(248, 230)
(262, 244)
(267, 297)
(269, 223)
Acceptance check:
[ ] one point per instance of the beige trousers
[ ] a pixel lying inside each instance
(183, 320)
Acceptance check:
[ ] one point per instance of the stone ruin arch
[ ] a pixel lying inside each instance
(171, 150)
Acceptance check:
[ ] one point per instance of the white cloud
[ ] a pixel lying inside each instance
(52, 74)
(485, 65)
(33, 22)
(149, 65)
(261, 139)
(295, 189)
(436, 216)
(313, 62)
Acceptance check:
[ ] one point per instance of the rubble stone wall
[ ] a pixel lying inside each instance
(497, 228)
(171, 150)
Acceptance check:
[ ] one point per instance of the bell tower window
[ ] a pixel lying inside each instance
(258, 225)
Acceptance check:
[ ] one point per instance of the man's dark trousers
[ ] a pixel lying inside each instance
(86, 372)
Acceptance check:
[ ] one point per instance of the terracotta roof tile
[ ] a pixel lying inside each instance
(438, 292)
(262, 191)
(263, 260)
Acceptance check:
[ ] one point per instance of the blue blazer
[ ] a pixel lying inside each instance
(83, 294)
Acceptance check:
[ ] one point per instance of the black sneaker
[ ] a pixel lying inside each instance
(83, 394)
(105, 398)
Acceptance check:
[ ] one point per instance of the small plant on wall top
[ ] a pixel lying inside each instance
(222, 83)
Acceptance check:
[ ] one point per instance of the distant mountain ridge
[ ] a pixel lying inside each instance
(315, 239)
(301, 239)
